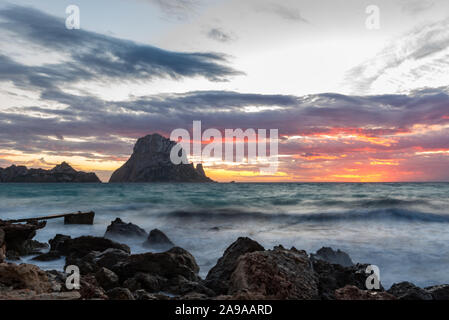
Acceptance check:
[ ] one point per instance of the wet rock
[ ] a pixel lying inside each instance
(275, 274)
(58, 243)
(2, 246)
(17, 236)
(111, 258)
(120, 294)
(218, 277)
(24, 276)
(148, 282)
(334, 257)
(49, 256)
(57, 280)
(90, 289)
(107, 279)
(35, 247)
(333, 276)
(440, 292)
(118, 229)
(81, 246)
(354, 293)
(408, 291)
(172, 263)
(87, 264)
(157, 239)
(12, 255)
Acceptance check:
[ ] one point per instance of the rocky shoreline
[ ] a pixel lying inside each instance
(246, 271)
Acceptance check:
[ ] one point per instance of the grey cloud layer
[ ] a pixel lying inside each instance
(97, 56)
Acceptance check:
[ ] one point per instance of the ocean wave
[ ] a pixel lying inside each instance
(354, 215)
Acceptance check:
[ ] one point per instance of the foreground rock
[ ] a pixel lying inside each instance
(439, 292)
(219, 276)
(274, 274)
(120, 229)
(24, 276)
(2, 246)
(61, 173)
(150, 162)
(408, 291)
(158, 240)
(17, 238)
(354, 293)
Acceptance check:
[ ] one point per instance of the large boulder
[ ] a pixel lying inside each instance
(158, 240)
(334, 257)
(24, 276)
(278, 274)
(18, 237)
(354, 293)
(107, 279)
(61, 173)
(2, 246)
(218, 277)
(408, 291)
(120, 229)
(169, 264)
(334, 276)
(81, 246)
(439, 292)
(150, 162)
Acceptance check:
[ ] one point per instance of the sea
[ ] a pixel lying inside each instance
(403, 228)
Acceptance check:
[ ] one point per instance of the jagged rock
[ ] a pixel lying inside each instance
(150, 162)
(218, 277)
(81, 246)
(334, 276)
(331, 256)
(34, 247)
(24, 276)
(12, 255)
(118, 229)
(2, 246)
(120, 294)
(408, 291)
(58, 243)
(111, 259)
(169, 264)
(61, 173)
(354, 293)
(439, 292)
(17, 237)
(49, 256)
(107, 279)
(90, 289)
(157, 239)
(87, 264)
(148, 282)
(275, 274)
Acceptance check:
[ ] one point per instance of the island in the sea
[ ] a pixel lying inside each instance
(61, 173)
(150, 162)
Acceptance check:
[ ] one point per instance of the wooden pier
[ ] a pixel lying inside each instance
(69, 218)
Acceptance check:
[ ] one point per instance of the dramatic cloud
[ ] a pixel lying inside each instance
(94, 56)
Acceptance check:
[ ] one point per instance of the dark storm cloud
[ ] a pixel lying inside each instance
(327, 114)
(97, 56)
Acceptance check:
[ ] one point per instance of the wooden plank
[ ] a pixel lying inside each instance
(54, 216)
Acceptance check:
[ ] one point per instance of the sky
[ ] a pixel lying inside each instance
(351, 103)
